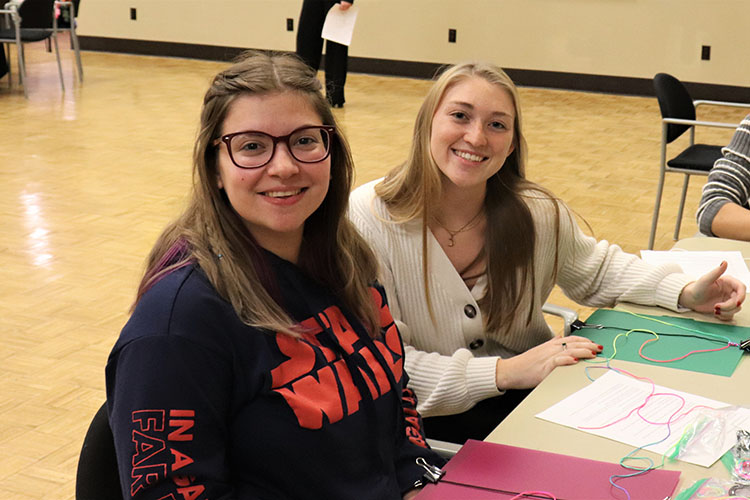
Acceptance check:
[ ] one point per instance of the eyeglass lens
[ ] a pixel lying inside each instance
(254, 149)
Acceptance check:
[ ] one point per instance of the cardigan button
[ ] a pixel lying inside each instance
(470, 311)
(476, 344)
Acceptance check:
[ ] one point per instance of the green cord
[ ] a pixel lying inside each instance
(709, 334)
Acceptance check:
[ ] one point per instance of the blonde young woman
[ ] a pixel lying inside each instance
(470, 250)
(259, 362)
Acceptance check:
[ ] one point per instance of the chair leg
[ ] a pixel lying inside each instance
(657, 203)
(6, 48)
(682, 206)
(59, 65)
(76, 48)
(22, 69)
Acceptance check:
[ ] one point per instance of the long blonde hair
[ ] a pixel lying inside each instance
(413, 189)
(210, 233)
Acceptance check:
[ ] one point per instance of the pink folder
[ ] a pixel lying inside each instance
(488, 471)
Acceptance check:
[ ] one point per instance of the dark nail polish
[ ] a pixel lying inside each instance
(593, 352)
(600, 347)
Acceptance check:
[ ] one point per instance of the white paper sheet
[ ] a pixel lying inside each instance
(613, 395)
(698, 263)
(339, 24)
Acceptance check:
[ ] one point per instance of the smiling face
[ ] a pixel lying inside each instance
(275, 200)
(472, 132)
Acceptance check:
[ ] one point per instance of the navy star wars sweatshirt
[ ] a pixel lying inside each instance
(204, 407)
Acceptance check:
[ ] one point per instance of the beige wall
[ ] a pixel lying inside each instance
(632, 38)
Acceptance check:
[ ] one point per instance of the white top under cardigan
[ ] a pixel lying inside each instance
(451, 363)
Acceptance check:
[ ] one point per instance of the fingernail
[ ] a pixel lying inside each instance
(593, 352)
(600, 347)
(739, 303)
(575, 359)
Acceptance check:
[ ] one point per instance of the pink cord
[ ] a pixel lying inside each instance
(653, 388)
(527, 493)
(640, 352)
(638, 409)
(672, 419)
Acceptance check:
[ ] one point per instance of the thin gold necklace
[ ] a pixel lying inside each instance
(469, 225)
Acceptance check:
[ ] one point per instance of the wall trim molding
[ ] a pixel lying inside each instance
(414, 69)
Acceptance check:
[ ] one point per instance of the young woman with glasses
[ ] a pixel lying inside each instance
(260, 361)
(470, 251)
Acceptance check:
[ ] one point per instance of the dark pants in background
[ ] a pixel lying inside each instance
(3, 62)
(310, 48)
(475, 423)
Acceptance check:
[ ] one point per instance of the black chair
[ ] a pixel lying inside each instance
(678, 115)
(29, 21)
(97, 477)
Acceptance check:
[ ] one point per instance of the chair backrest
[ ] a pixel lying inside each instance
(97, 477)
(37, 14)
(674, 102)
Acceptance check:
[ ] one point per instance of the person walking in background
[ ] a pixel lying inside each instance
(723, 210)
(310, 47)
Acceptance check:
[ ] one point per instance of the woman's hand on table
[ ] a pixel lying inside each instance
(714, 293)
(528, 369)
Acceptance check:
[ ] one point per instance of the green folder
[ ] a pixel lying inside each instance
(668, 346)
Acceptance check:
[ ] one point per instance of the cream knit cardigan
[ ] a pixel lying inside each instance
(449, 376)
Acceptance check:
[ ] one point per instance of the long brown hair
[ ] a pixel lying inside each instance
(413, 189)
(210, 233)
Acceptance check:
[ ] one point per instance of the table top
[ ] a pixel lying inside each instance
(522, 428)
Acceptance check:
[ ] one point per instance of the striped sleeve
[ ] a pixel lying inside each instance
(729, 179)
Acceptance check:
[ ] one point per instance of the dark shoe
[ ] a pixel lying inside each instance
(335, 99)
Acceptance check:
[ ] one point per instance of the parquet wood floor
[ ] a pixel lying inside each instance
(89, 177)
